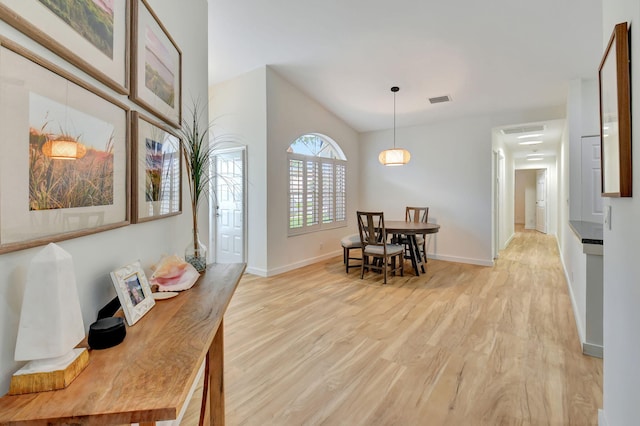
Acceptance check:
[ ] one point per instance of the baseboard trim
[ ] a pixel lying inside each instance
(574, 305)
(296, 265)
(456, 259)
(602, 419)
(281, 270)
(506, 244)
(590, 349)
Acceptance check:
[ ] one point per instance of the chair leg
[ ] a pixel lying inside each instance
(393, 265)
(365, 259)
(345, 259)
(384, 266)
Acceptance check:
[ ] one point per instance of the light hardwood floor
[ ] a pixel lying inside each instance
(459, 345)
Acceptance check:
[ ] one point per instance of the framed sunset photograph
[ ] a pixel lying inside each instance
(156, 184)
(64, 163)
(156, 66)
(91, 34)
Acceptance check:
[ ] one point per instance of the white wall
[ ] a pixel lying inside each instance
(96, 255)
(621, 265)
(238, 109)
(582, 118)
(449, 171)
(290, 114)
(506, 183)
(570, 247)
(265, 112)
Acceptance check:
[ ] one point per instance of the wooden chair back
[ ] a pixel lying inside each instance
(416, 214)
(373, 236)
(371, 226)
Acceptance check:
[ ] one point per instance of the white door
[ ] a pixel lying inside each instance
(591, 183)
(230, 211)
(541, 200)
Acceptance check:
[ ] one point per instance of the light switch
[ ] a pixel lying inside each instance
(607, 217)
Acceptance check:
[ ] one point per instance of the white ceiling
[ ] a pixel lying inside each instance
(489, 56)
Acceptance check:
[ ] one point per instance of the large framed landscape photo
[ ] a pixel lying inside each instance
(615, 115)
(156, 65)
(91, 34)
(156, 170)
(64, 155)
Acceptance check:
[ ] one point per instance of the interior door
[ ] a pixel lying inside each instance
(230, 211)
(591, 183)
(541, 200)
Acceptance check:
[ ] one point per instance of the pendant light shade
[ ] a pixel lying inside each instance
(394, 156)
(64, 149)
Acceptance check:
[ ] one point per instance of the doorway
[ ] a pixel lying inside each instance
(498, 202)
(229, 214)
(530, 199)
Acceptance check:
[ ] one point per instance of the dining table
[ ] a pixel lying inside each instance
(410, 230)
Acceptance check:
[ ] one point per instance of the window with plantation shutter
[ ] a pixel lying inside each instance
(317, 184)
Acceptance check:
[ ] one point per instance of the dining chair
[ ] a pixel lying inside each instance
(418, 215)
(373, 237)
(350, 242)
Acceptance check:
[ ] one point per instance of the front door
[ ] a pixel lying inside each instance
(541, 200)
(230, 209)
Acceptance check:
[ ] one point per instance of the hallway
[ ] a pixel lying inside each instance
(461, 344)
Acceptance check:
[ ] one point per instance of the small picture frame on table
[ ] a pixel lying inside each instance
(133, 291)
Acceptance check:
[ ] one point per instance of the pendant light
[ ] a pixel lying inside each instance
(64, 148)
(394, 156)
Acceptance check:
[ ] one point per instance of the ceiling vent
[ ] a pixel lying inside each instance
(523, 129)
(440, 99)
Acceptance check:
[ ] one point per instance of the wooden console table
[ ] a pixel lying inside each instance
(147, 377)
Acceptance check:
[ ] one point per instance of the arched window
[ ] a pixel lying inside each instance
(317, 184)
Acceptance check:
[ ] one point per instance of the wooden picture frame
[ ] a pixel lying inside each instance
(615, 115)
(133, 291)
(156, 65)
(156, 184)
(102, 52)
(64, 160)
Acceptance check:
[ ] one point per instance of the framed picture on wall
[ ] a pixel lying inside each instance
(615, 115)
(133, 291)
(64, 157)
(91, 34)
(156, 163)
(156, 66)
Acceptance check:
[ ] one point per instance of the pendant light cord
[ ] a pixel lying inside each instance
(394, 120)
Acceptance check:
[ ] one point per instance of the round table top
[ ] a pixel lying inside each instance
(403, 227)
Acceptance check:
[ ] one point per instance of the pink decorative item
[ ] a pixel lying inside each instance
(173, 274)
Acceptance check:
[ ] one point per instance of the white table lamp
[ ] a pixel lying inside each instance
(50, 325)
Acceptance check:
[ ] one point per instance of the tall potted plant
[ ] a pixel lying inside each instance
(198, 153)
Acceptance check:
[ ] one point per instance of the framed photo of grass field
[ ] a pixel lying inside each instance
(91, 34)
(156, 65)
(63, 157)
(156, 162)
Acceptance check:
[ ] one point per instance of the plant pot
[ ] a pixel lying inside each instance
(196, 253)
